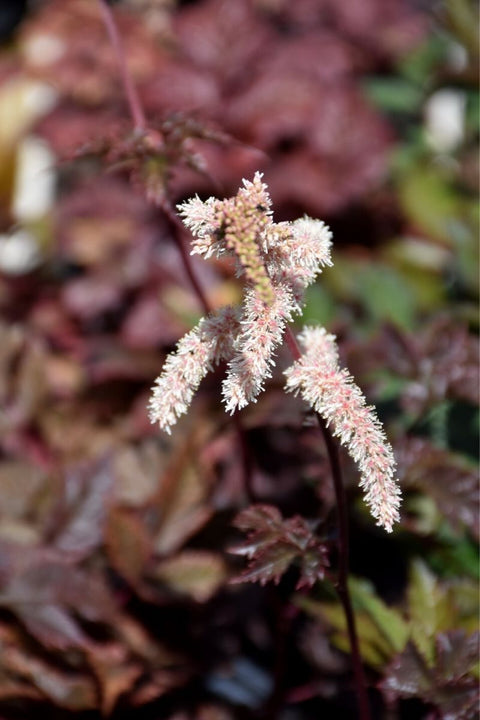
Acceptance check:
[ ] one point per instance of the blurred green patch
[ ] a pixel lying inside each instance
(397, 95)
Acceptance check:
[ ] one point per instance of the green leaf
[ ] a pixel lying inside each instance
(422, 265)
(422, 62)
(374, 649)
(393, 94)
(430, 202)
(386, 295)
(430, 609)
(390, 624)
(456, 557)
(320, 306)
(381, 630)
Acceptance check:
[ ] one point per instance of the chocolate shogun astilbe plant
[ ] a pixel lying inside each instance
(276, 261)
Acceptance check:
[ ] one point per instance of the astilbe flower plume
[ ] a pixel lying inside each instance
(276, 261)
(332, 393)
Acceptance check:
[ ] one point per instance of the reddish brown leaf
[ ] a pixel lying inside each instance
(43, 589)
(116, 674)
(440, 364)
(88, 490)
(273, 544)
(445, 477)
(196, 573)
(128, 545)
(448, 685)
(71, 691)
(181, 502)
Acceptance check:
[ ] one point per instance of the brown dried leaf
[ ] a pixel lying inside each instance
(143, 645)
(71, 691)
(137, 472)
(116, 674)
(45, 592)
(181, 501)
(22, 377)
(20, 485)
(156, 685)
(128, 545)
(75, 434)
(196, 573)
(81, 518)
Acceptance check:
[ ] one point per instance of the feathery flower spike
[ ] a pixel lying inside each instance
(277, 261)
(332, 393)
(197, 352)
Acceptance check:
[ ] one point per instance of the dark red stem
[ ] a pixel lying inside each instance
(139, 122)
(246, 459)
(343, 553)
(134, 104)
(177, 231)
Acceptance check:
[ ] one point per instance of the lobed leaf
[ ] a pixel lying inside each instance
(273, 544)
(448, 684)
(447, 478)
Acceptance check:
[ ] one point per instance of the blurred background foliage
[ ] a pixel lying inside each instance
(114, 572)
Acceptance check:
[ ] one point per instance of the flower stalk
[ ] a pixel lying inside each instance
(134, 104)
(277, 261)
(343, 551)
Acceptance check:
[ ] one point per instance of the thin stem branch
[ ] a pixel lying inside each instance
(343, 553)
(139, 121)
(177, 231)
(343, 565)
(246, 459)
(134, 104)
(283, 615)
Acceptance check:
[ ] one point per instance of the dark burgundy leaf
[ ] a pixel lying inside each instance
(43, 590)
(72, 691)
(82, 513)
(448, 684)
(127, 543)
(447, 478)
(273, 544)
(442, 363)
(267, 564)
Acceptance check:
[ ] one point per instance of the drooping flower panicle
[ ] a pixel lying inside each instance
(262, 329)
(276, 261)
(332, 393)
(210, 342)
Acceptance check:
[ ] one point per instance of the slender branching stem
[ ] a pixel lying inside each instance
(343, 552)
(139, 122)
(177, 231)
(343, 564)
(245, 454)
(134, 104)
(245, 459)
